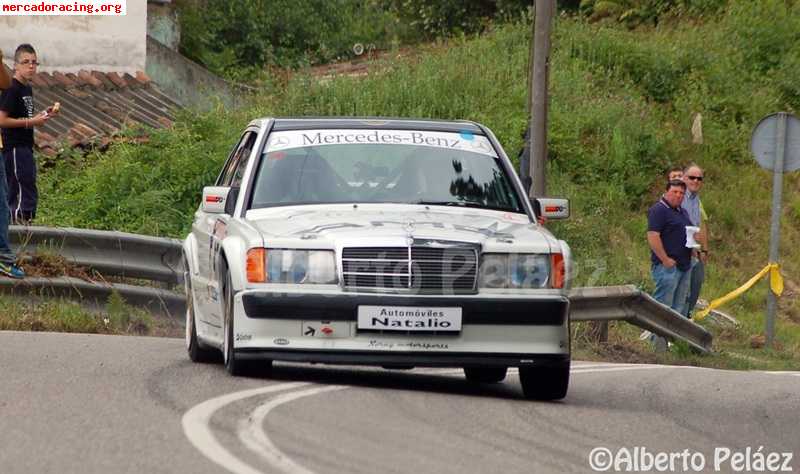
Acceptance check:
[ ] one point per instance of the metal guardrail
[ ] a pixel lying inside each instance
(110, 253)
(628, 303)
(160, 259)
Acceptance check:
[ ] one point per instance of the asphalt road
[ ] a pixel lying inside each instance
(106, 404)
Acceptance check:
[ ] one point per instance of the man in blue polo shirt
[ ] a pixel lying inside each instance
(670, 257)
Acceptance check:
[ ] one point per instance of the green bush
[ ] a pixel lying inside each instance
(237, 39)
(633, 13)
(786, 78)
(149, 188)
(447, 17)
(657, 70)
(763, 32)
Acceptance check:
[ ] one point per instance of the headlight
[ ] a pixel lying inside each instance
(514, 271)
(296, 266)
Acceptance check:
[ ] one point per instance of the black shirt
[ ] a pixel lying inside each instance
(671, 224)
(17, 102)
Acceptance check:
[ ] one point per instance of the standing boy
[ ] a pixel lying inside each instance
(7, 258)
(17, 121)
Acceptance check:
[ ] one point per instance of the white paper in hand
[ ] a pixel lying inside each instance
(690, 233)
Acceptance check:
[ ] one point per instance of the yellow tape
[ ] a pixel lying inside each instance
(775, 284)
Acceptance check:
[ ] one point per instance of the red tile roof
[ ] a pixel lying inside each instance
(95, 105)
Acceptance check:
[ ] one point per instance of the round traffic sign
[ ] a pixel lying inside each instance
(764, 142)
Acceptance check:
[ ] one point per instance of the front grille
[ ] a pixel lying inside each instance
(431, 270)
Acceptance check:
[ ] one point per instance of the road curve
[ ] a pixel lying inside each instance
(100, 404)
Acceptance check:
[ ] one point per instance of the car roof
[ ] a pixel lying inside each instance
(377, 123)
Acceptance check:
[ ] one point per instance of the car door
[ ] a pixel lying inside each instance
(219, 223)
(209, 230)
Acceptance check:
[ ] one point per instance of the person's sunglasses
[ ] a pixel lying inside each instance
(695, 178)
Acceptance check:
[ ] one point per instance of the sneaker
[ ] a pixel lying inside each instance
(645, 335)
(11, 270)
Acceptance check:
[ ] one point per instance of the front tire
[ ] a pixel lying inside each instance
(197, 353)
(544, 383)
(234, 365)
(485, 374)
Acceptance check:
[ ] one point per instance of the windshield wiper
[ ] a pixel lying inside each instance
(466, 204)
(450, 203)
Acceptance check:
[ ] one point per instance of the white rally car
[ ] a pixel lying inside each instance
(396, 243)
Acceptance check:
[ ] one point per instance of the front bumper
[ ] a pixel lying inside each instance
(497, 329)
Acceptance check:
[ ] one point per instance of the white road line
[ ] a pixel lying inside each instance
(252, 434)
(196, 426)
(196, 421)
(622, 369)
(783, 372)
(255, 438)
(591, 366)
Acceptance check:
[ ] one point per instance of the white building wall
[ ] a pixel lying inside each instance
(72, 43)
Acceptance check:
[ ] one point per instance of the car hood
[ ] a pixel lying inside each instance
(394, 225)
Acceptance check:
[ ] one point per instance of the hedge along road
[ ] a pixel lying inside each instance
(99, 404)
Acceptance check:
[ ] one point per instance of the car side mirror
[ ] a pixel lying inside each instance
(215, 199)
(551, 208)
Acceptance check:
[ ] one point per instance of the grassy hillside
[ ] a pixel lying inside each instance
(622, 104)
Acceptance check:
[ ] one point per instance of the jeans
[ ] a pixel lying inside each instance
(698, 274)
(672, 286)
(6, 255)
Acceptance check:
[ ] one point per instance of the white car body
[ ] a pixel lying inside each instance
(371, 315)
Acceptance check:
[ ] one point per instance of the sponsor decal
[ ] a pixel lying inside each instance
(458, 141)
(422, 345)
(376, 344)
(279, 142)
(430, 323)
(408, 318)
(243, 337)
(380, 344)
(281, 341)
(414, 313)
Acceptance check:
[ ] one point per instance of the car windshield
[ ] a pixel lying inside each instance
(382, 166)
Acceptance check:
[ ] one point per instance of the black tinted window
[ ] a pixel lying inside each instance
(384, 173)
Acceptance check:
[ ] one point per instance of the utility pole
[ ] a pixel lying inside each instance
(542, 26)
(525, 156)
